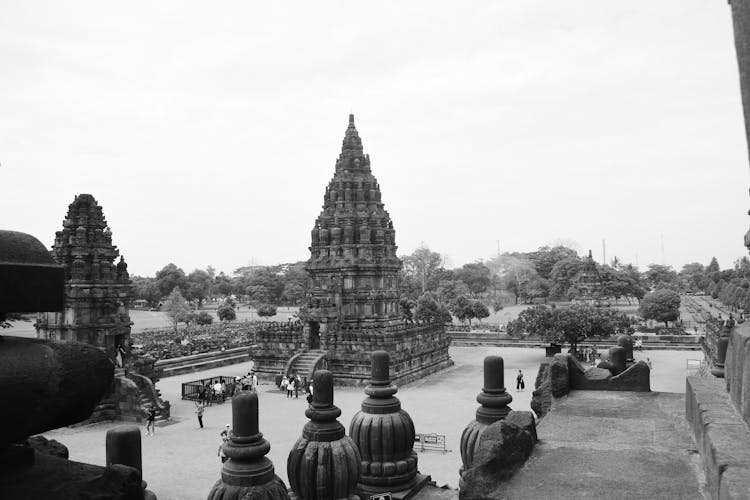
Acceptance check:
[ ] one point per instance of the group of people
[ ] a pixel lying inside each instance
(292, 385)
(215, 392)
(248, 382)
(590, 355)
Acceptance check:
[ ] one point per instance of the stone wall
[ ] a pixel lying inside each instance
(415, 351)
(737, 369)
(722, 438)
(272, 349)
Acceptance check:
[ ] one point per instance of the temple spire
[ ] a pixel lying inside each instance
(352, 146)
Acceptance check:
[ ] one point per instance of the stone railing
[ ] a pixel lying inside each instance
(737, 369)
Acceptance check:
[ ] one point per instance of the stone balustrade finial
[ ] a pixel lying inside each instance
(247, 473)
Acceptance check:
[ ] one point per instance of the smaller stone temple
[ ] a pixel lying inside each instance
(97, 289)
(97, 294)
(589, 283)
(352, 302)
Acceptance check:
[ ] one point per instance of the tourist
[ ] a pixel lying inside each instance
(209, 394)
(226, 431)
(254, 381)
(220, 453)
(199, 412)
(297, 384)
(150, 420)
(519, 382)
(218, 392)
(290, 386)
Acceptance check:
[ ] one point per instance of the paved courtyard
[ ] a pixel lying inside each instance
(180, 462)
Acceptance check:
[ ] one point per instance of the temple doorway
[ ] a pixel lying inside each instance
(314, 335)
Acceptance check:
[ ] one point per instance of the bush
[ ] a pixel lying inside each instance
(203, 318)
(226, 313)
(266, 310)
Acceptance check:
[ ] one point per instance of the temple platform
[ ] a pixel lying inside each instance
(596, 444)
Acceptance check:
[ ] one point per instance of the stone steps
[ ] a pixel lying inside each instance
(306, 362)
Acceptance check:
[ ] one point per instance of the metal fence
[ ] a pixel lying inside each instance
(191, 390)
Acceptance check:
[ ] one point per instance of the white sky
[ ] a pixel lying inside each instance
(208, 130)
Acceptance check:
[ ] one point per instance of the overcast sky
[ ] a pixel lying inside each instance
(208, 131)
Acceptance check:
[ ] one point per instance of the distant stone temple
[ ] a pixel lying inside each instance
(352, 304)
(98, 292)
(589, 282)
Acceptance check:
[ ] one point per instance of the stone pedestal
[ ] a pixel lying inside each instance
(247, 473)
(384, 435)
(324, 463)
(626, 342)
(494, 401)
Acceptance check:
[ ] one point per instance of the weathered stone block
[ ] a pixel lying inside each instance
(49, 447)
(504, 447)
(559, 375)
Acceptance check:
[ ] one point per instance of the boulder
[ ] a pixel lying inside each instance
(541, 398)
(636, 378)
(48, 446)
(505, 446)
(559, 375)
(51, 384)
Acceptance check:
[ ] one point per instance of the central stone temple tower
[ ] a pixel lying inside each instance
(352, 303)
(353, 266)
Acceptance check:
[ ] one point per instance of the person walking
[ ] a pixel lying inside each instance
(199, 412)
(220, 453)
(290, 386)
(519, 382)
(151, 416)
(225, 432)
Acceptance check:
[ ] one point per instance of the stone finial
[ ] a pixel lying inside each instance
(123, 447)
(494, 402)
(247, 473)
(324, 463)
(626, 342)
(384, 434)
(617, 359)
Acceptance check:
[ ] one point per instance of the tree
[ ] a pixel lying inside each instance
(428, 309)
(545, 258)
(476, 276)
(198, 285)
(463, 308)
(713, 266)
(571, 324)
(258, 294)
(513, 273)
(480, 309)
(422, 267)
(226, 313)
(267, 310)
(146, 289)
(662, 305)
(659, 276)
(169, 278)
(563, 276)
(176, 308)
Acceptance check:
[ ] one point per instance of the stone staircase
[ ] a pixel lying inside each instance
(146, 403)
(305, 363)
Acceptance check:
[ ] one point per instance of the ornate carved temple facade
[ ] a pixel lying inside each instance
(352, 305)
(97, 294)
(97, 290)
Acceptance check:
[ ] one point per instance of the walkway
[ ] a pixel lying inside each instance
(618, 445)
